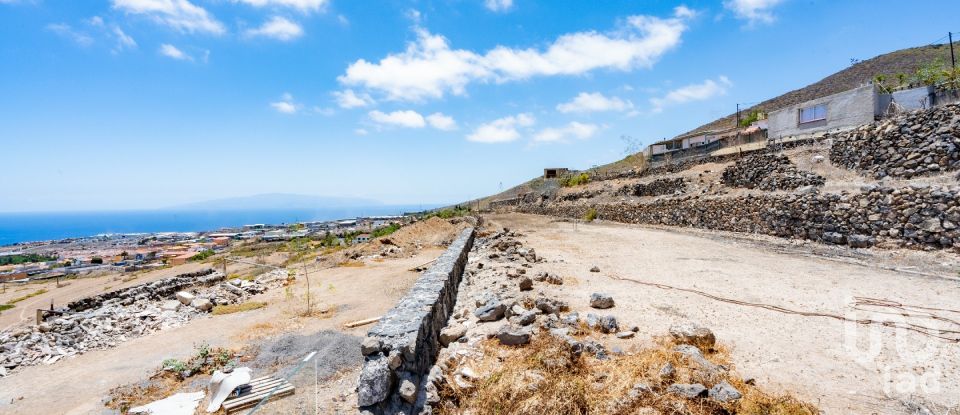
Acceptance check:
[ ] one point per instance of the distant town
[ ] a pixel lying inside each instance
(41, 260)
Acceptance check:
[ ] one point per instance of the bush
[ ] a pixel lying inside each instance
(25, 258)
(202, 255)
(4, 307)
(575, 180)
(385, 230)
(590, 215)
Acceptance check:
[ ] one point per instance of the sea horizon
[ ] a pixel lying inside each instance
(23, 227)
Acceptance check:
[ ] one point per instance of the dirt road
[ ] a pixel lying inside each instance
(78, 385)
(844, 368)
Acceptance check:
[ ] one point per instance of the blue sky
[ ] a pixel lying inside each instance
(134, 104)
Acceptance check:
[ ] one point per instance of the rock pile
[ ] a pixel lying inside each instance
(655, 188)
(768, 172)
(106, 320)
(913, 144)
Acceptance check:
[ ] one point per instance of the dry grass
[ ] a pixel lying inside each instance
(351, 264)
(546, 378)
(236, 308)
(28, 296)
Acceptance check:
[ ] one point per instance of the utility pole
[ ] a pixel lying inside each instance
(953, 60)
(738, 115)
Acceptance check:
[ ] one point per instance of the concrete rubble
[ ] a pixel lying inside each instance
(108, 319)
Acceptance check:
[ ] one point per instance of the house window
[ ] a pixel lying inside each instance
(814, 113)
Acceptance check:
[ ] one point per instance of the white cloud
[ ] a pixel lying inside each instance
(498, 5)
(429, 68)
(94, 21)
(572, 130)
(408, 118)
(286, 104)
(350, 99)
(277, 28)
(442, 122)
(694, 92)
(501, 130)
(754, 11)
(301, 5)
(361, 131)
(594, 102)
(66, 31)
(178, 14)
(124, 41)
(171, 51)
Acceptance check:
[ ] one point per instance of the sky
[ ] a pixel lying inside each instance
(141, 104)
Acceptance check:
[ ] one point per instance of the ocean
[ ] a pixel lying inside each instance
(29, 227)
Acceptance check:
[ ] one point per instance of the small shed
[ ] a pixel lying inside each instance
(554, 172)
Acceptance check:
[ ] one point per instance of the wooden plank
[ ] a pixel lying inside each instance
(251, 404)
(363, 322)
(236, 403)
(261, 389)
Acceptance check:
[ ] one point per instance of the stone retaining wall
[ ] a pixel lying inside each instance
(770, 172)
(156, 290)
(655, 188)
(400, 350)
(914, 144)
(914, 216)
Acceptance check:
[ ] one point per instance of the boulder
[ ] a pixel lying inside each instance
(724, 392)
(608, 324)
(513, 336)
(370, 345)
(526, 284)
(691, 333)
(492, 311)
(185, 297)
(688, 391)
(601, 300)
(451, 334)
(860, 241)
(202, 304)
(374, 383)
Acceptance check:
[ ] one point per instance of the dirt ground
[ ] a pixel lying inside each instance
(78, 385)
(842, 367)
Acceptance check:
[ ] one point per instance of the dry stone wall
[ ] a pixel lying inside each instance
(156, 290)
(915, 144)
(655, 188)
(914, 216)
(770, 172)
(400, 350)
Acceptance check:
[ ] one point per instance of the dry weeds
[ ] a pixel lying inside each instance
(236, 308)
(546, 378)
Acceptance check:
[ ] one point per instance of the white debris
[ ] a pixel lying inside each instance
(179, 404)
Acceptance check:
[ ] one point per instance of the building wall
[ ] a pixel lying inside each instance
(847, 109)
(914, 99)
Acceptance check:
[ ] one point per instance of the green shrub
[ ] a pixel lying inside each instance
(202, 255)
(590, 215)
(575, 180)
(4, 307)
(385, 230)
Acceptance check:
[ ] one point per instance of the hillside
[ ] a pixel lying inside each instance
(905, 61)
